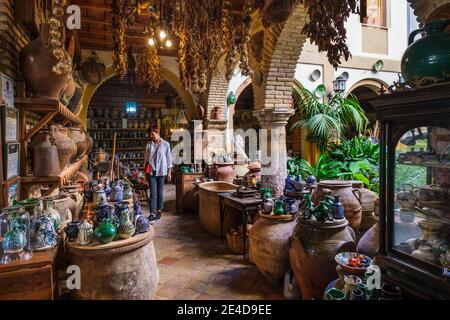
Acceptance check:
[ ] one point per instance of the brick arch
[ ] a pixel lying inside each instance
(283, 44)
(426, 10)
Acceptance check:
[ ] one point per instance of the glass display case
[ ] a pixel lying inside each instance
(414, 250)
(15, 235)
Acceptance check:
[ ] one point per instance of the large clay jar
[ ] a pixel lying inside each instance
(349, 197)
(36, 61)
(368, 219)
(313, 247)
(224, 172)
(369, 242)
(66, 147)
(78, 136)
(45, 155)
(269, 247)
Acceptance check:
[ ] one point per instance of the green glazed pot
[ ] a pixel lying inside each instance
(30, 205)
(430, 55)
(279, 208)
(106, 232)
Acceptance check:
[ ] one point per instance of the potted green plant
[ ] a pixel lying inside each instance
(326, 121)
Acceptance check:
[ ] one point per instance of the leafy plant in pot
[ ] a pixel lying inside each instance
(325, 122)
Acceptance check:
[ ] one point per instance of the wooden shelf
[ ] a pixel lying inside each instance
(51, 109)
(130, 159)
(115, 129)
(122, 150)
(61, 179)
(123, 139)
(426, 165)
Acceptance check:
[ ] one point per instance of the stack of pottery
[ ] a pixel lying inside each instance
(348, 196)
(269, 246)
(313, 247)
(66, 147)
(45, 155)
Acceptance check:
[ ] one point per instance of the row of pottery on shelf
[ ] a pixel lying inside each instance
(54, 149)
(106, 113)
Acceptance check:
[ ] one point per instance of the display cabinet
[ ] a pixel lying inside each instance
(414, 250)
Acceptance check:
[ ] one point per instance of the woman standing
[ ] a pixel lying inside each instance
(158, 164)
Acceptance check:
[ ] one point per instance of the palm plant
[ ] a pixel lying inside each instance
(327, 121)
(324, 168)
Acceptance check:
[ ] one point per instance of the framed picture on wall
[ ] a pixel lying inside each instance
(10, 121)
(11, 160)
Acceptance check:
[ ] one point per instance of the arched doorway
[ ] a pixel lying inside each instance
(365, 91)
(129, 109)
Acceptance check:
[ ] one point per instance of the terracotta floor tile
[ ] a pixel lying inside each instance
(187, 294)
(166, 291)
(195, 265)
(168, 260)
(178, 282)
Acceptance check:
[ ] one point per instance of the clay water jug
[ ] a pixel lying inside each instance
(348, 196)
(45, 155)
(36, 62)
(66, 147)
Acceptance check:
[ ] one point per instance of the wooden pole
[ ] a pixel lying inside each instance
(111, 169)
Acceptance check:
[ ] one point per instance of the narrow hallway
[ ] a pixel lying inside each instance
(194, 265)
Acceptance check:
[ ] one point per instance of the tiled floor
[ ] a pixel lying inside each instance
(194, 265)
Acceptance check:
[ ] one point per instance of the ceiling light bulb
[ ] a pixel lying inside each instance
(151, 42)
(168, 43)
(162, 35)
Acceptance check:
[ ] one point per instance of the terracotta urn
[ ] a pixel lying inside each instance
(45, 155)
(350, 198)
(78, 136)
(66, 147)
(223, 172)
(36, 62)
(217, 113)
(312, 249)
(269, 246)
(369, 242)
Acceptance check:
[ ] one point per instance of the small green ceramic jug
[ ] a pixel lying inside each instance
(428, 56)
(279, 207)
(106, 232)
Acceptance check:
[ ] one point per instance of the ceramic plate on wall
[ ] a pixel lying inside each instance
(320, 91)
(315, 75)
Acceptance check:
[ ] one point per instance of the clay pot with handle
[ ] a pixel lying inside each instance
(66, 147)
(350, 198)
(312, 249)
(36, 62)
(45, 155)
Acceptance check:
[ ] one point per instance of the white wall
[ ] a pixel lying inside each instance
(303, 75)
(356, 75)
(397, 22)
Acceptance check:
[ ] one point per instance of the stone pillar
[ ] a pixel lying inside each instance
(273, 146)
